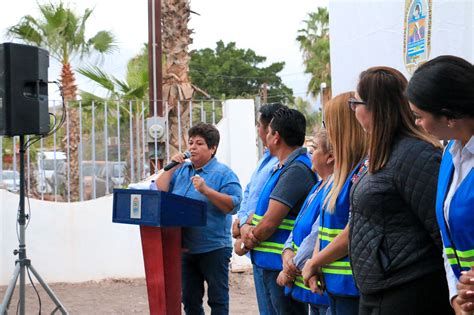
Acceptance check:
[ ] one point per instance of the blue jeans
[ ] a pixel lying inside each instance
(263, 307)
(275, 296)
(344, 305)
(213, 268)
(319, 310)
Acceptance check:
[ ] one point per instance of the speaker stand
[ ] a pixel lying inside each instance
(22, 264)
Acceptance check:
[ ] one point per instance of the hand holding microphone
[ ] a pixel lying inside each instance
(177, 159)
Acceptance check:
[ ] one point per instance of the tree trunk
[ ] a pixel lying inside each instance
(70, 95)
(176, 39)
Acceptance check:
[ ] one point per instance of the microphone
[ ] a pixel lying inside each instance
(172, 164)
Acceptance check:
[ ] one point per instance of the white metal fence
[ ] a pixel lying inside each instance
(113, 149)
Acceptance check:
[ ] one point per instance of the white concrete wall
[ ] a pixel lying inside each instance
(239, 150)
(71, 242)
(78, 242)
(370, 33)
(238, 145)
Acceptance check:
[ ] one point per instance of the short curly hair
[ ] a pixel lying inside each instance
(208, 132)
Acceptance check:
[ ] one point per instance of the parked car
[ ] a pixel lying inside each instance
(10, 180)
(90, 174)
(115, 175)
(48, 164)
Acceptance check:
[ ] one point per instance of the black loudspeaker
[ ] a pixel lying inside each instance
(23, 90)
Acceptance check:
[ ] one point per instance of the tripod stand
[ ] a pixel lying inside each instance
(23, 263)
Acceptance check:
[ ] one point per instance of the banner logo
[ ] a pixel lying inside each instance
(417, 41)
(135, 206)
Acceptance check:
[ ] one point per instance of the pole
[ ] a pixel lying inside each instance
(265, 94)
(161, 246)
(321, 98)
(154, 58)
(22, 223)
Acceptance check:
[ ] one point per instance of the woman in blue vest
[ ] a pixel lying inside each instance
(330, 268)
(300, 244)
(441, 95)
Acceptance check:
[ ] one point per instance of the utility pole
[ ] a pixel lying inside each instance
(264, 94)
(155, 71)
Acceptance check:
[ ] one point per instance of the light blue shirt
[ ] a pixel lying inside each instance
(216, 233)
(305, 251)
(252, 192)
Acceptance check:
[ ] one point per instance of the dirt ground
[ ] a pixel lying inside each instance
(123, 296)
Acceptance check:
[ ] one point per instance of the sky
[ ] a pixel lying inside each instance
(269, 27)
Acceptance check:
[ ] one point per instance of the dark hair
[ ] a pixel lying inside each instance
(383, 88)
(290, 124)
(209, 133)
(444, 86)
(266, 112)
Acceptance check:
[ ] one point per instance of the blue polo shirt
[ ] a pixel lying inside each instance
(262, 173)
(216, 234)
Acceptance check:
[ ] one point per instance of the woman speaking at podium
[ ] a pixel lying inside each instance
(208, 248)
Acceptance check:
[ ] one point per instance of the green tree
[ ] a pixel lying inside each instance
(135, 86)
(134, 89)
(61, 31)
(314, 44)
(312, 116)
(228, 71)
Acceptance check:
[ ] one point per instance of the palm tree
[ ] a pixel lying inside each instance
(62, 32)
(177, 87)
(134, 89)
(313, 118)
(314, 43)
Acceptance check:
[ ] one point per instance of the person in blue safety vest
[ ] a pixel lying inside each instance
(207, 249)
(279, 204)
(330, 269)
(441, 95)
(300, 244)
(251, 194)
(395, 246)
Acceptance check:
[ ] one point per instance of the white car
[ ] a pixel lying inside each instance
(10, 180)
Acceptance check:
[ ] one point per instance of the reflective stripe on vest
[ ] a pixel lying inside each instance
(267, 254)
(466, 258)
(328, 234)
(338, 267)
(458, 238)
(302, 293)
(270, 247)
(337, 275)
(299, 282)
(286, 224)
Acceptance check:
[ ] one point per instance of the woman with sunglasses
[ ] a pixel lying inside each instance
(395, 246)
(329, 268)
(441, 95)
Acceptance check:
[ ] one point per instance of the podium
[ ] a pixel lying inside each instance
(160, 216)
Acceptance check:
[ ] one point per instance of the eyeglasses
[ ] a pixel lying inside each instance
(354, 102)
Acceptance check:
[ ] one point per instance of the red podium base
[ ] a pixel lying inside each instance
(162, 257)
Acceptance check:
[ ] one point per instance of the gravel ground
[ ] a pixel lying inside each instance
(123, 296)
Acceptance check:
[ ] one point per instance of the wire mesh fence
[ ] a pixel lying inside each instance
(101, 145)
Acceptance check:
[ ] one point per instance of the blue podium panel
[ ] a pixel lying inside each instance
(157, 208)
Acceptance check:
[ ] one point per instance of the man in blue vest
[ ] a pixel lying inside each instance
(252, 192)
(279, 203)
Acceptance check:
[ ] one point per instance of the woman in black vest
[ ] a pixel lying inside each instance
(395, 246)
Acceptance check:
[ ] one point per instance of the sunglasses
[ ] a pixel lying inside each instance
(354, 102)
